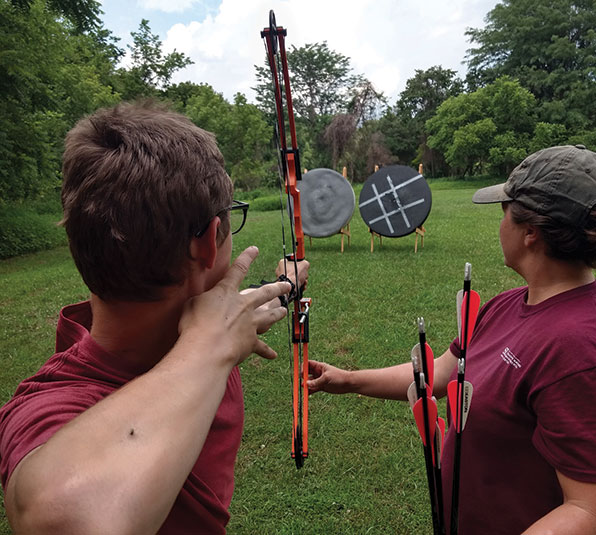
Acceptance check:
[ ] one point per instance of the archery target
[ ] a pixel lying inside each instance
(327, 201)
(394, 201)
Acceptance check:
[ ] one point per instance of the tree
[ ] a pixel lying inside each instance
(320, 80)
(366, 103)
(242, 133)
(338, 135)
(327, 98)
(84, 14)
(550, 47)
(50, 75)
(151, 70)
(490, 128)
(403, 125)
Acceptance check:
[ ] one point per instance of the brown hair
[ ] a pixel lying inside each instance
(562, 241)
(139, 182)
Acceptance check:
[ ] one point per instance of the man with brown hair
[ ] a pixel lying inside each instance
(134, 424)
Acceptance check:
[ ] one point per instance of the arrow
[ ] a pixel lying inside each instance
(460, 392)
(430, 427)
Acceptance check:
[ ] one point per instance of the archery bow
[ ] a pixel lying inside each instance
(289, 160)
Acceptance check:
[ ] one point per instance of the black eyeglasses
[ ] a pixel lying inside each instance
(238, 212)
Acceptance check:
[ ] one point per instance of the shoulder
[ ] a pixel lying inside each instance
(504, 302)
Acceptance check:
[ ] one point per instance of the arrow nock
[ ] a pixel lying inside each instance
(422, 382)
(468, 272)
(421, 326)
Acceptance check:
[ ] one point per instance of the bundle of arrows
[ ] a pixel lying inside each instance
(431, 427)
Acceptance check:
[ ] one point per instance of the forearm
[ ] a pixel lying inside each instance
(118, 467)
(567, 519)
(385, 383)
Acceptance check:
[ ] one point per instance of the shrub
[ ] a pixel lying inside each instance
(265, 204)
(23, 230)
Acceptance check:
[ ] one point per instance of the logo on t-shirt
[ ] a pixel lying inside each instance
(508, 356)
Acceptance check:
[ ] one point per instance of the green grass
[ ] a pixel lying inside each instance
(365, 474)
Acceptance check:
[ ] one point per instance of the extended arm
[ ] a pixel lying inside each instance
(118, 467)
(387, 383)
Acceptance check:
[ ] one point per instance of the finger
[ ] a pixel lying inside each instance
(316, 385)
(280, 268)
(263, 350)
(267, 317)
(238, 270)
(268, 292)
(315, 367)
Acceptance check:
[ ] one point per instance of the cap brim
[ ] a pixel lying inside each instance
(491, 194)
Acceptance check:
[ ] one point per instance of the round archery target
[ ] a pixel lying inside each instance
(327, 202)
(394, 201)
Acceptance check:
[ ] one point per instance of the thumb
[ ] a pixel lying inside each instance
(315, 385)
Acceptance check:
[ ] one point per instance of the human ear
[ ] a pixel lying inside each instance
(204, 249)
(531, 235)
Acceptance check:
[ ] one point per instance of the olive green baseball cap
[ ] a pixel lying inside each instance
(559, 182)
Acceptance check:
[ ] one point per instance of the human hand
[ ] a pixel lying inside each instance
(303, 267)
(228, 320)
(326, 378)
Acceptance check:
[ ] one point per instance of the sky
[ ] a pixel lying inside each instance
(386, 40)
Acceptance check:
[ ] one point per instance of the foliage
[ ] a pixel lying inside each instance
(547, 135)
(320, 81)
(242, 134)
(403, 125)
(550, 47)
(268, 203)
(30, 227)
(366, 102)
(151, 70)
(50, 75)
(367, 149)
(327, 99)
(83, 13)
(57, 64)
(490, 127)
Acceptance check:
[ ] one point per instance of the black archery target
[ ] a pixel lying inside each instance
(327, 202)
(394, 201)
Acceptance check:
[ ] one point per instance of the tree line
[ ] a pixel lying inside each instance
(530, 83)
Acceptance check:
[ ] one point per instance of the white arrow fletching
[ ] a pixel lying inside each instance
(468, 391)
(459, 300)
(412, 394)
(416, 357)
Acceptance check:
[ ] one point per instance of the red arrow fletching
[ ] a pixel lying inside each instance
(418, 411)
(472, 315)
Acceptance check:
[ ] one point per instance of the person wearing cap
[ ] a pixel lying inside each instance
(529, 461)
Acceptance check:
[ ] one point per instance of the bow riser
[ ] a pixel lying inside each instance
(293, 190)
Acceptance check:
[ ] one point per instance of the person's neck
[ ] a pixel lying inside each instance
(550, 277)
(138, 333)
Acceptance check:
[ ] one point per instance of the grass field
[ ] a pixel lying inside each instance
(365, 474)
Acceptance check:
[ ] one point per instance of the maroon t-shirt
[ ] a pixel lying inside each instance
(79, 375)
(533, 369)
